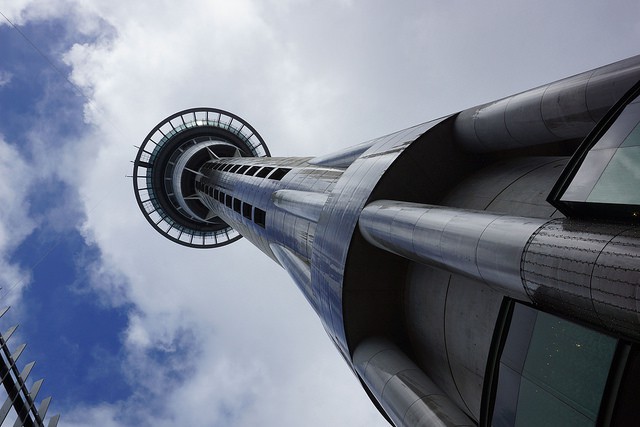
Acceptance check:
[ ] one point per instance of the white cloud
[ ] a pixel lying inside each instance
(222, 337)
(15, 221)
(5, 78)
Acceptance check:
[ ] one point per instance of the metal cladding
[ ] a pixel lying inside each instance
(583, 270)
(454, 290)
(409, 396)
(588, 271)
(563, 110)
(481, 245)
(19, 398)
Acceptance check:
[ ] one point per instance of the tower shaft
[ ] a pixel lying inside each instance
(468, 269)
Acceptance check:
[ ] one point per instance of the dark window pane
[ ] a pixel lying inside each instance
(516, 346)
(259, 217)
(551, 372)
(246, 210)
(262, 173)
(504, 411)
(537, 407)
(570, 361)
(252, 170)
(279, 173)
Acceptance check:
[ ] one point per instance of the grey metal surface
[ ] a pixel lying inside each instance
(338, 223)
(483, 246)
(566, 109)
(303, 204)
(555, 264)
(471, 310)
(298, 269)
(342, 158)
(409, 397)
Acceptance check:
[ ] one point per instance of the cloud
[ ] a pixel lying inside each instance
(15, 222)
(5, 78)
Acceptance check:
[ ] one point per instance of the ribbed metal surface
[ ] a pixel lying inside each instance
(587, 271)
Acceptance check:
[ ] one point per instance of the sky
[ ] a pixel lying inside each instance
(129, 329)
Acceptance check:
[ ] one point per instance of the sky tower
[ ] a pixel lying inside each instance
(478, 269)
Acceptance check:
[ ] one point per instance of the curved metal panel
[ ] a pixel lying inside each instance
(342, 158)
(408, 396)
(614, 286)
(338, 222)
(480, 245)
(586, 271)
(304, 204)
(298, 269)
(563, 110)
(524, 118)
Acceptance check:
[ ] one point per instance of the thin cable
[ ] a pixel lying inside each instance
(75, 87)
(80, 93)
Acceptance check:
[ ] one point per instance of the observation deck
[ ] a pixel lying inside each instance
(168, 162)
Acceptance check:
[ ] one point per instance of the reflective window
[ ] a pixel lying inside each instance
(552, 372)
(604, 180)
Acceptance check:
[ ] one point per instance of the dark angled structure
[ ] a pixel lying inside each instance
(478, 269)
(19, 403)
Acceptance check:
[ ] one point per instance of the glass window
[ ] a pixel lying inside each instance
(620, 180)
(252, 170)
(552, 372)
(262, 173)
(603, 177)
(259, 217)
(246, 210)
(279, 173)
